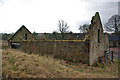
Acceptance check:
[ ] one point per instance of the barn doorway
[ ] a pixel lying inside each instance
(15, 45)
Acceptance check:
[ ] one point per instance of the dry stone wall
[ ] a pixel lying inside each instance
(73, 51)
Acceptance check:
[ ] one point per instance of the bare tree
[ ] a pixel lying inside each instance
(113, 24)
(84, 28)
(63, 28)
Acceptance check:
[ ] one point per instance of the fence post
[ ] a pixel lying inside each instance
(112, 57)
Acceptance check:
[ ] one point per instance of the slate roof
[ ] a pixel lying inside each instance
(114, 37)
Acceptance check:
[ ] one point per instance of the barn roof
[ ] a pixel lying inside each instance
(18, 31)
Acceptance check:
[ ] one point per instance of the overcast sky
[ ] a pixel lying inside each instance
(43, 15)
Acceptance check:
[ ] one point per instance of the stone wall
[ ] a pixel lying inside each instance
(69, 50)
(106, 41)
(98, 41)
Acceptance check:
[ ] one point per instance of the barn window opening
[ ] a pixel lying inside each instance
(98, 35)
(25, 36)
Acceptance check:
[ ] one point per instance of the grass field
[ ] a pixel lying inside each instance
(17, 64)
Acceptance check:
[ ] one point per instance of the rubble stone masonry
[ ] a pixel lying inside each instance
(70, 50)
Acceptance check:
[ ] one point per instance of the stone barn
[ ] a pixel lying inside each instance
(22, 34)
(98, 41)
(87, 50)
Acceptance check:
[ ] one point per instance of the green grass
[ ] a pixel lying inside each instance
(117, 61)
(80, 70)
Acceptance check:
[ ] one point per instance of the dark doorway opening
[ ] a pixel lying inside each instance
(15, 45)
(98, 35)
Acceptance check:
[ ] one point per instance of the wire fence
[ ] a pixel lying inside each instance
(108, 56)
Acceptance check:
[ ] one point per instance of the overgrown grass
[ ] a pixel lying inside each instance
(17, 64)
(11, 59)
(34, 66)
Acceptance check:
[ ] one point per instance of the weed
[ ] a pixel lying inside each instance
(80, 70)
(11, 59)
(100, 71)
(14, 68)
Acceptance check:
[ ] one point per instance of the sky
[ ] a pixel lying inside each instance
(42, 16)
